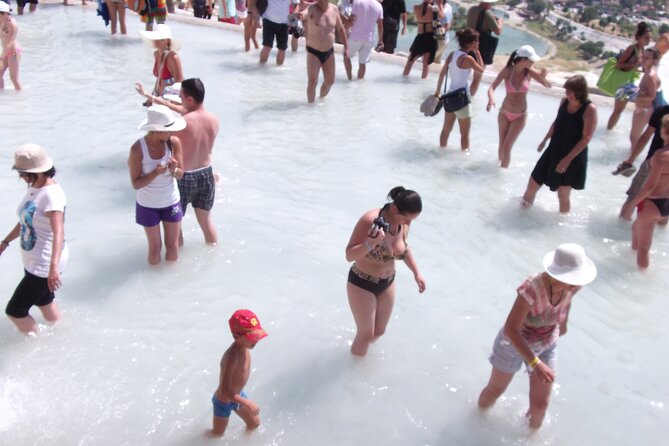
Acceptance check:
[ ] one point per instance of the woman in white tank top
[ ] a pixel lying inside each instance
(155, 165)
(460, 65)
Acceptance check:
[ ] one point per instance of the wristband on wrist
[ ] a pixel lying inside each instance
(532, 364)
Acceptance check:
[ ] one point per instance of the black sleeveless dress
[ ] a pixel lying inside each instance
(567, 133)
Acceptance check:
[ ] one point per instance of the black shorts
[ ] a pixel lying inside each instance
(23, 3)
(198, 188)
(32, 290)
(270, 30)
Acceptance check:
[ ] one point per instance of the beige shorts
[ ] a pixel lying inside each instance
(465, 112)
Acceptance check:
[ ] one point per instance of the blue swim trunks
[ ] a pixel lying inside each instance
(225, 409)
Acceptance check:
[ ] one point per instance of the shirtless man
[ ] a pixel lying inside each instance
(652, 200)
(11, 52)
(650, 83)
(321, 19)
(198, 185)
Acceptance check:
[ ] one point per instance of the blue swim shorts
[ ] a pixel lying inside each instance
(225, 409)
(505, 357)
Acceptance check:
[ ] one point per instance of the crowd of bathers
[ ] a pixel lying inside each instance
(170, 168)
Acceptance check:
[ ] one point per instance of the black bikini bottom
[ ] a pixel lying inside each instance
(374, 285)
(323, 56)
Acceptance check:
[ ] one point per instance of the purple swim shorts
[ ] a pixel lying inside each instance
(150, 216)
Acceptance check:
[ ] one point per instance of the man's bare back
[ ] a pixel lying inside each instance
(198, 138)
(321, 25)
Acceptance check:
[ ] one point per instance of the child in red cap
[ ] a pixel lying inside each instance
(235, 370)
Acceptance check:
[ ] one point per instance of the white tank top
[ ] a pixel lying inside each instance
(459, 76)
(162, 191)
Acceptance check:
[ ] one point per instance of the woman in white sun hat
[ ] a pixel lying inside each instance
(167, 64)
(155, 165)
(41, 238)
(516, 76)
(536, 321)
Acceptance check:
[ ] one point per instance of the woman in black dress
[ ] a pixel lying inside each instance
(563, 165)
(425, 45)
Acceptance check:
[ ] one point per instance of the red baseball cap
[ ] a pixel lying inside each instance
(246, 323)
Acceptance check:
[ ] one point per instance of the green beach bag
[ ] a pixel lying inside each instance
(612, 78)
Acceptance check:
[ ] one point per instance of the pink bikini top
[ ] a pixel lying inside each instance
(524, 88)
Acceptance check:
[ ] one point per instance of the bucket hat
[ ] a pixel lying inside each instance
(569, 264)
(31, 158)
(161, 119)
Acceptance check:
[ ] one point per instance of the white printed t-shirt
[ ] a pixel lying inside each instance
(36, 236)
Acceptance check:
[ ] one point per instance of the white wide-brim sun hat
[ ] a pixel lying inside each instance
(488, 1)
(32, 158)
(161, 119)
(529, 52)
(160, 32)
(569, 264)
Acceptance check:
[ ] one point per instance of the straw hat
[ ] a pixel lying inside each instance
(161, 32)
(161, 119)
(569, 264)
(31, 158)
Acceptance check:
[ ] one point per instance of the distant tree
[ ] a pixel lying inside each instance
(664, 28)
(513, 3)
(582, 35)
(608, 54)
(459, 18)
(537, 6)
(591, 49)
(629, 4)
(589, 13)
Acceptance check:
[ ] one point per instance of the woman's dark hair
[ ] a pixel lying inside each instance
(641, 29)
(406, 201)
(193, 88)
(514, 59)
(32, 177)
(579, 86)
(466, 36)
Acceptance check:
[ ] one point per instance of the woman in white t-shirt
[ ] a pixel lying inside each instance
(41, 239)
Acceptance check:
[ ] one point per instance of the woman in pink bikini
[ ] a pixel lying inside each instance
(11, 51)
(513, 113)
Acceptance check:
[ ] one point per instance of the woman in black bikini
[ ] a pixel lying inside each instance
(424, 44)
(378, 239)
(652, 200)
